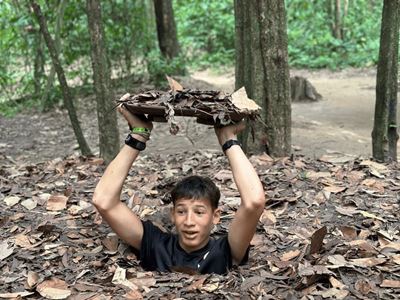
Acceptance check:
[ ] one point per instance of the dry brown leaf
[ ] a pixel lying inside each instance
(364, 286)
(334, 189)
(210, 287)
(111, 243)
(374, 165)
(119, 278)
(396, 259)
(391, 283)
(336, 283)
(317, 240)
(348, 232)
(257, 240)
(22, 241)
(363, 245)
(355, 176)
(174, 85)
(12, 200)
(57, 202)
(332, 293)
(386, 234)
(313, 270)
(29, 204)
(347, 211)
(224, 175)
(5, 251)
(369, 182)
(268, 218)
(144, 281)
(53, 289)
(15, 295)
(290, 255)
(316, 175)
(392, 246)
(337, 261)
(367, 261)
(243, 102)
(32, 279)
(133, 295)
(147, 211)
(198, 283)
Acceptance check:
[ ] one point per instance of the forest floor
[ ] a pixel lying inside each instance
(330, 229)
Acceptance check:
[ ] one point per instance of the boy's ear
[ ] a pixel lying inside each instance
(216, 216)
(171, 215)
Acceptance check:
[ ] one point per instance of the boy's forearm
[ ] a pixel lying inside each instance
(108, 190)
(246, 178)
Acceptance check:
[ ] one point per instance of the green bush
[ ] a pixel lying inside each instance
(206, 31)
(158, 67)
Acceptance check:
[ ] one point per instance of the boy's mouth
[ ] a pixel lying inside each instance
(189, 234)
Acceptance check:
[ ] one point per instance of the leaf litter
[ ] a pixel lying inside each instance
(321, 236)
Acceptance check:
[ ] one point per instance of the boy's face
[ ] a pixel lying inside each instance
(194, 220)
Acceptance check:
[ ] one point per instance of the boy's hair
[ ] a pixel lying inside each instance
(196, 187)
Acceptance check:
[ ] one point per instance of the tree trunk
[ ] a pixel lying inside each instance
(106, 115)
(67, 96)
(338, 25)
(166, 28)
(38, 68)
(57, 41)
(385, 134)
(262, 68)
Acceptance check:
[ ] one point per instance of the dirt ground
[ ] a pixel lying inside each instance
(339, 124)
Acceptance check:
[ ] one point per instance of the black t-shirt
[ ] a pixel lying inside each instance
(161, 251)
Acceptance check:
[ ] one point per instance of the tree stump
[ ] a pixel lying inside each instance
(302, 90)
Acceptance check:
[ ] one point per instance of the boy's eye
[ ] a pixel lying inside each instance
(180, 212)
(200, 212)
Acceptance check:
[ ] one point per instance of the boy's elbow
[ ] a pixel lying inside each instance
(259, 202)
(100, 202)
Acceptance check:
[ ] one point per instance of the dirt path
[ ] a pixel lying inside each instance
(341, 123)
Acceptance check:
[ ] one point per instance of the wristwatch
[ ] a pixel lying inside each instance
(134, 143)
(229, 144)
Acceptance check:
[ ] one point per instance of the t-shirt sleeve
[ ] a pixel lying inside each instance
(151, 237)
(245, 257)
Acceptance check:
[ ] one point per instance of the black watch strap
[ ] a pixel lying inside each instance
(135, 143)
(229, 144)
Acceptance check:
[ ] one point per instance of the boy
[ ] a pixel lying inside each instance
(195, 209)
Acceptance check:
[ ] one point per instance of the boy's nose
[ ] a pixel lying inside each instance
(189, 218)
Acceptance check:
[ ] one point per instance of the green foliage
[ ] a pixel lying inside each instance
(206, 31)
(158, 67)
(311, 43)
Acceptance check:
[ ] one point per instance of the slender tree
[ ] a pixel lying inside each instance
(57, 43)
(385, 133)
(67, 95)
(106, 115)
(38, 65)
(262, 68)
(166, 28)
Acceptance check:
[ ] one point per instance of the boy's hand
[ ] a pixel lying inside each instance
(135, 120)
(229, 132)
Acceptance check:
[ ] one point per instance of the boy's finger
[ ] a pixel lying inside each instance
(127, 115)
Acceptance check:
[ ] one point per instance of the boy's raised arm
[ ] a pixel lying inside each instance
(106, 198)
(252, 195)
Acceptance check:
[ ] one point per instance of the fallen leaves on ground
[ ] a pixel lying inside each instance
(330, 230)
